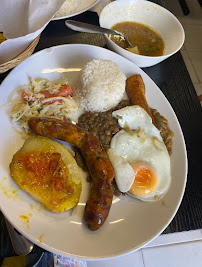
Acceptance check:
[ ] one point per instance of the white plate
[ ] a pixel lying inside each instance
(83, 6)
(131, 223)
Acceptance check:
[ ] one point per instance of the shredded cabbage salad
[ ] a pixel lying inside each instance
(43, 98)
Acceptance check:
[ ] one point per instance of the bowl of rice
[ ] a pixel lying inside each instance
(74, 7)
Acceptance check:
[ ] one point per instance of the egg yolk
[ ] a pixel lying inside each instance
(146, 179)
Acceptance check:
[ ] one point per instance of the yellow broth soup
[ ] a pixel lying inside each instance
(145, 40)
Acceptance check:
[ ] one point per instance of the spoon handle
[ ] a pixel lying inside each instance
(21, 245)
(84, 27)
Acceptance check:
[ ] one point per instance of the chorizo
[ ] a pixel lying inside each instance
(135, 90)
(102, 173)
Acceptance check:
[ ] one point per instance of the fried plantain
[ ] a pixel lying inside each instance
(47, 171)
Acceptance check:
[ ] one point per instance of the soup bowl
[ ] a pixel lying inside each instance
(151, 15)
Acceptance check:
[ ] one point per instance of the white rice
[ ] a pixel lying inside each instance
(101, 86)
(69, 7)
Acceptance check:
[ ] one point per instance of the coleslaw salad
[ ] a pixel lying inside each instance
(42, 98)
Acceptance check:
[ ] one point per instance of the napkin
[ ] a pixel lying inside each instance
(21, 21)
(64, 261)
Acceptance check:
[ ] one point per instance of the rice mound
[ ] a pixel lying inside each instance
(101, 86)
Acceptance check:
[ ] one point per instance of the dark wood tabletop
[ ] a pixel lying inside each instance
(172, 77)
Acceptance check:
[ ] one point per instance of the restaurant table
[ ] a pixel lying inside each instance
(172, 77)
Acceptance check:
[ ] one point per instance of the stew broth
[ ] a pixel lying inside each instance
(144, 39)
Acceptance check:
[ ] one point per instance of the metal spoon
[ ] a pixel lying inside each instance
(85, 27)
(21, 245)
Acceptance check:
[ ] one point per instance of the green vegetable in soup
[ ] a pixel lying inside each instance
(145, 40)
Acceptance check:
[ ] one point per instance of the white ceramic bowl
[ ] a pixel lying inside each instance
(156, 17)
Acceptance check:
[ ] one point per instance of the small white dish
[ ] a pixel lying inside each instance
(150, 14)
(131, 223)
(82, 6)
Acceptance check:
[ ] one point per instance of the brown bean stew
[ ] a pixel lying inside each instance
(162, 124)
(103, 126)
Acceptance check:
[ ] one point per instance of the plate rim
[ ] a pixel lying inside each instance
(76, 13)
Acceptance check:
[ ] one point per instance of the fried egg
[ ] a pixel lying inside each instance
(139, 156)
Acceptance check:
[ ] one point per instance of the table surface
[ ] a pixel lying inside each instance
(172, 77)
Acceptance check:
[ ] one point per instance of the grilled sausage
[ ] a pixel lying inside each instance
(102, 173)
(135, 90)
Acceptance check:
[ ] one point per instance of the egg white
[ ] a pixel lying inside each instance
(133, 117)
(140, 141)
